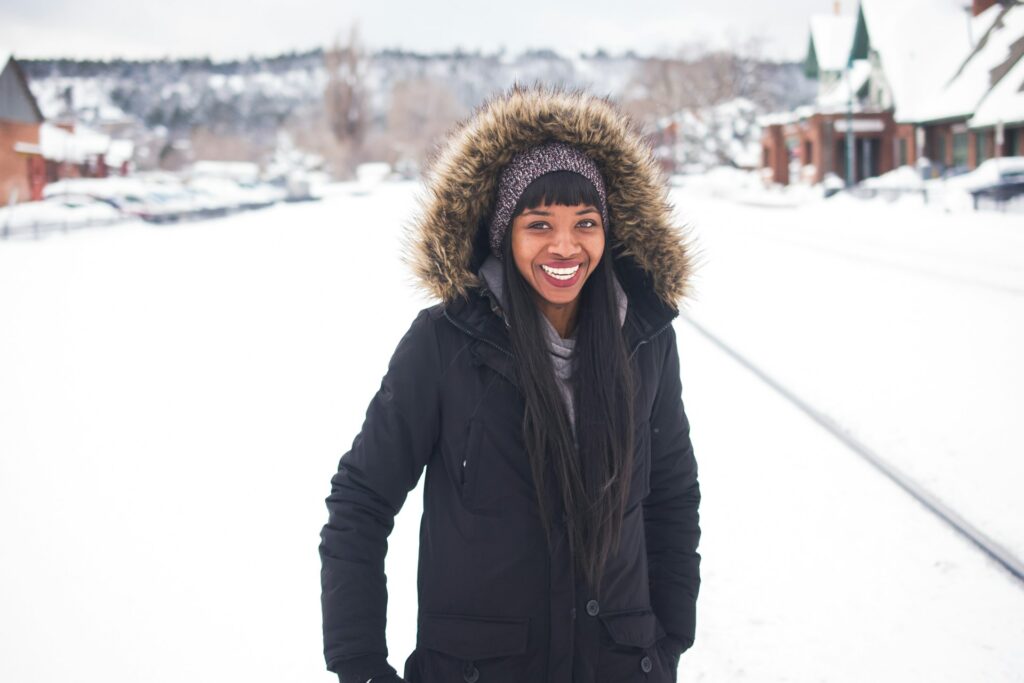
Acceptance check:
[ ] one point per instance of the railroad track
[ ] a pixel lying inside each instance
(948, 515)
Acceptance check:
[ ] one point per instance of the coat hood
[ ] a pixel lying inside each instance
(447, 241)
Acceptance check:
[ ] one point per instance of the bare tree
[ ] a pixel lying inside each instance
(701, 101)
(421, 110)
(346, 95)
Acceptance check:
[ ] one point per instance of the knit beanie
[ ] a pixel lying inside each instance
(527, 166)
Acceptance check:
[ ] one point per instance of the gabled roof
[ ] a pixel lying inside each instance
(992, 58)
(920, 45)
(1004, 102)
(853, 81)
(830, 42)
(25, 109)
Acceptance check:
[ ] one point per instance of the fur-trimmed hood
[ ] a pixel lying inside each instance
(446, 242)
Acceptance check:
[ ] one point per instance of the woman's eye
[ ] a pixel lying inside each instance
(588, 224)
(538, 225)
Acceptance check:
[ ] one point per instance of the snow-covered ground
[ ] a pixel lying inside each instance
(173, 403)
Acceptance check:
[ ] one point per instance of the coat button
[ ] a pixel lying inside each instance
(645, 664)
(470, 673)
(592, 608)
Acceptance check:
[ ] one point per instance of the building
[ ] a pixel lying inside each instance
(971, 118)
(34, 152)
(911, 78)
(22, 173)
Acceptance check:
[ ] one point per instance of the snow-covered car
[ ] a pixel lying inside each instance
(61, 212)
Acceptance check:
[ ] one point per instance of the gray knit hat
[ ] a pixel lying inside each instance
(527, 166)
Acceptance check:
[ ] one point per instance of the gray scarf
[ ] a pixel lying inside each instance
(561, 349)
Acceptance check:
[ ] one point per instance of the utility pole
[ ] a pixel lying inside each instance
(850, 141)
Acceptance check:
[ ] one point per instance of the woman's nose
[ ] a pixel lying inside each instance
(563, 243)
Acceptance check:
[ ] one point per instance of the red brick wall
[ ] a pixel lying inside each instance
(979, 6)
(904, 132)
(934, 133)
(14, 173)
(775, 155)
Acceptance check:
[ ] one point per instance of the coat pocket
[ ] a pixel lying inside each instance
(467, 648)
(471, 455)
(628, 648)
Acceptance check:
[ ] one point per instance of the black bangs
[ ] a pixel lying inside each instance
(564, 188)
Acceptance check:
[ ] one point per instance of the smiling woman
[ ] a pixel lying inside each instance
(557, 247)
(542, 396)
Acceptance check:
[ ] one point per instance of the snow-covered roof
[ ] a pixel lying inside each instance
(5, 56)
(1005, 102)
(963, 93)
(59, 144)
(243, 171)
(119, 152)
(837, 96)
(832, 37)
(920, 44)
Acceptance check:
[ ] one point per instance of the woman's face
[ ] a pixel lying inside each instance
(556, 248)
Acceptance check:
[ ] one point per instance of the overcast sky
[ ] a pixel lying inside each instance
(224, 29)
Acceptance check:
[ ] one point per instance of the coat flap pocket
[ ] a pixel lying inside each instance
(473, 637)
(639, 629)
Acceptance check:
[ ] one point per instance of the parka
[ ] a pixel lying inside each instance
(495, 604)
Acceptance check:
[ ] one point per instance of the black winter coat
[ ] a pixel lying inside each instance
(494, 605)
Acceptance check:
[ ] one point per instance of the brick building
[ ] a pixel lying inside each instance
(917, 78)
(22, 172)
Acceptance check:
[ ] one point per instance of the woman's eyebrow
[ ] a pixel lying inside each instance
(589, 209)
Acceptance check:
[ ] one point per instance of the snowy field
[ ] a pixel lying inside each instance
(174, 401)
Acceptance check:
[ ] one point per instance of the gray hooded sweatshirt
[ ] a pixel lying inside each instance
(561, 349)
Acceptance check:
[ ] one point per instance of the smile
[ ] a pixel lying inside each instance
(561, 273)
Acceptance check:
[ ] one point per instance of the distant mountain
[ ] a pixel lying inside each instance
(176, 110)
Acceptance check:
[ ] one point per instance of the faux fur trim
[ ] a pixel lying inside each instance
(442, 244)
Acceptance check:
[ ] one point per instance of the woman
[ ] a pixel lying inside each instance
(542, 397)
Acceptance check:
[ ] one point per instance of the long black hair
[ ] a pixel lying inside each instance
(594, 479)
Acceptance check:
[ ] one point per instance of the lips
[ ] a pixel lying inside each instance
(562, 274)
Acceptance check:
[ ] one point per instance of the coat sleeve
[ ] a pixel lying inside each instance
(373, 479)
(671, 517)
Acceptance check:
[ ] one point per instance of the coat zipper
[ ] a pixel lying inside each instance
(649, 338)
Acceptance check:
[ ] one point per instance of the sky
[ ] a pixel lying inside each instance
(228, 29)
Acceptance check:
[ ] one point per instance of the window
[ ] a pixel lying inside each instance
(960, 144)
(901, 152)
(979, 148)
(1010, 146)
(940, 149)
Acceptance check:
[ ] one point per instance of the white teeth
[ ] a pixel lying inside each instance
(561, 273)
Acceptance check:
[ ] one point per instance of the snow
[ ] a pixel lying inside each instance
(78, 147)
(968, 87)
(5, 56)
(63, 212)
(848, 85)
(241, 171)
(833, 37)
(119, 152)
(904, 177)
(1005, 102)
(174, 401)
(920, 44)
